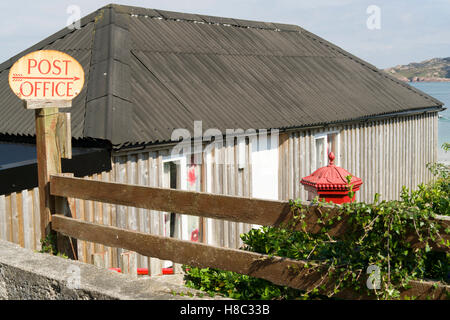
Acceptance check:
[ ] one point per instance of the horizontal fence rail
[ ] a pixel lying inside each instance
(237, 209)
(231, 208)
(281, 271)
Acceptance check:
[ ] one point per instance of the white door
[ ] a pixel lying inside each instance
(264, 162)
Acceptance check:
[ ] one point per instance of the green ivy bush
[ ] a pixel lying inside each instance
(376, 237)
(433, 196)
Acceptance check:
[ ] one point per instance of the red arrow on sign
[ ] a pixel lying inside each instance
(16, 78)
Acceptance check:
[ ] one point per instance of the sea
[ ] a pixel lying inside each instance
(440, 91)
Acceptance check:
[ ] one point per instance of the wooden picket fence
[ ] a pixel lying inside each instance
(237, 209)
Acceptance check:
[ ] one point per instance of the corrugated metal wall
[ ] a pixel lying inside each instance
(227, 178)
(386, 154)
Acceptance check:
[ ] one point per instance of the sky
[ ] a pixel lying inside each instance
(385, 33)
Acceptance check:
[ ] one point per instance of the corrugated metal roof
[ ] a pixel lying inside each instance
(151, 71)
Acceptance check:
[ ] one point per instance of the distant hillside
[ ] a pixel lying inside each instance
(436, 69)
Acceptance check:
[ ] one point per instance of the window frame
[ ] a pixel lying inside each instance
(324, 135)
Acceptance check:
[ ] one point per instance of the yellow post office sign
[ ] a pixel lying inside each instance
(46, 76)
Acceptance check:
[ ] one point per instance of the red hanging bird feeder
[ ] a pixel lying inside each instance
(330, 183)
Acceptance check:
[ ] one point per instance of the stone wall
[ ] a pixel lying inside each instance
(26, 274)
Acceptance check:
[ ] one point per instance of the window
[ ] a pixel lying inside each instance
(324, 144)
(175, 178)
(320, 152)
(172, 181)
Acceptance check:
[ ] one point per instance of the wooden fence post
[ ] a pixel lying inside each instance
(48, 162)
(51, 136)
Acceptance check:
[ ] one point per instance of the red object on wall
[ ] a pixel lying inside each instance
(191, 176)
(330, 183)
(194, 235)
(167, 270)
(144, 271)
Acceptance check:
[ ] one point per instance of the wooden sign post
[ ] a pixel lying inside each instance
(47, 80)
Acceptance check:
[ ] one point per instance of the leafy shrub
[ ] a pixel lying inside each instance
(434, 196)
